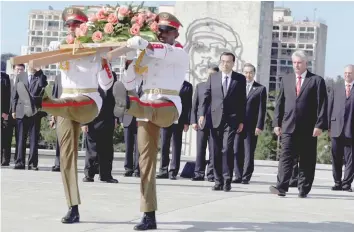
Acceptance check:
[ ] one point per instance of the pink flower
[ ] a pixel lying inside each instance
(70, 39)
(101, 15)
(93, 18)
(84, 29)
(141, 19)
(152, 16)
(78, 32)
(123, 10)
(134, 19)
(112, 18)
(135, 30)
(154, 27)
(108, 28)
(97, 36)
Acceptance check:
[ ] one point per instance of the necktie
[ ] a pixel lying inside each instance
(298, 85)
(248, 88)
(347, 90)
(224, 86)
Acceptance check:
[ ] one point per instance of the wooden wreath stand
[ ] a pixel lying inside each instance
(71, 52)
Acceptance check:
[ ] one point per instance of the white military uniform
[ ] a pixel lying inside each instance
(83, 74)
(167, 67)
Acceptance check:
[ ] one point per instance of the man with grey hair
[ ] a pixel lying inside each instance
(246, 142)
(341, 130)
(300, 116)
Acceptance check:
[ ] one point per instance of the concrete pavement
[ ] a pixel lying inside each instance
(34, 201)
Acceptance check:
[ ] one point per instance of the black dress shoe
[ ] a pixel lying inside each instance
(128, 173)
(217, 187)
(348, 189)
(136, 174)
(162, 176)
(5, 164)
(227, 187)
(337, 188)
(121, 99)
(211, 179)
(198, 178)
(277, 191)
(173, 177)
(71, 216)
(293, 184)
(147, 223)
(88, 179)
(55, 169)
(19, 166)
(236, 181)
(112, 181)
(245, 182)
(302, 195)
(32, 168)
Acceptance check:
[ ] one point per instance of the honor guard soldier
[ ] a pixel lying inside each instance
(162, 67)
(79, 103)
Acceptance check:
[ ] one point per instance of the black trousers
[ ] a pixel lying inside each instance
(131, 162)
(305, 147)
(223, 143)
(244, 148)
(204, 139)
(7, 131)
(343, 147)
(99, 149)
(32, 126)
(174, 131)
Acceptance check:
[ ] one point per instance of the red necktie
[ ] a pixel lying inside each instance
(347, 90)
(298, 85)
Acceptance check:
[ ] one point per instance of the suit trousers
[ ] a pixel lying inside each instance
(175, 131)
(343, 147)
(160, 114)
(131, 162)
(27, 125)
(204, 139)
(223, 144)
(305, 147)
(99, 149)
(244, 148)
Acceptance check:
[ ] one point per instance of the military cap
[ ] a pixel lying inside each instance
(167, 21)
(74, 14)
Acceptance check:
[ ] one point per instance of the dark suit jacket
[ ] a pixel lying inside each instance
(341, 112)
(256, 107)
(5, 93)
(230, 108)
(196, 105)
(305, 112)
(36, 89)
(186, 94)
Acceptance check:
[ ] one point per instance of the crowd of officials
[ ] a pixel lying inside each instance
(227, 117)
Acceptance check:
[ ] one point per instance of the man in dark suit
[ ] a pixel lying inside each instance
(131, 163)
(203, 133)
(175, 131)
(226, 95)
(11, 124)
(341, 128)
(56, 93)
(246, 142)
(36, 84)
(99, 140)
(300, 116)
(5, 108)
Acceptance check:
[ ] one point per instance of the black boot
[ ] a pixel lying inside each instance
(121, 99)
(148, 222)
(72, 215)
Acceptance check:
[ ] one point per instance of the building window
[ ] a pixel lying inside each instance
(285, 28)
(283, 62)
(39, 32)
(33, 32)
(301, 46)
(309, 46)
(293, 29)
(273, 70)
(274, 62)
(274, 53)
(33, 16)
(275, 35)
(38, 49)
(272, 79)
(272, 87)
(274, 45)
(275, 27)
(302, 28)
(40, 17)
(56, 17)
(53, 66)
(292, 46)
(309, 53)
(290, 62)
(284, 45)
(310, 29)
(47, 33)
(55, 33)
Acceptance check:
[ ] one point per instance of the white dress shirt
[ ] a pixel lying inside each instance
(351, 85)
(303, 75)
(224, 75)
(249, 87)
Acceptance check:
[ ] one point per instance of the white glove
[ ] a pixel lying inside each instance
(137, 43)
(131, 55)
(54, 45)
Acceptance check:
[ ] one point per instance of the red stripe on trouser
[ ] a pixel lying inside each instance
(68, 104)
(153, 105)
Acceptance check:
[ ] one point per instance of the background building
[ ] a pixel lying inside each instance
(290, 35)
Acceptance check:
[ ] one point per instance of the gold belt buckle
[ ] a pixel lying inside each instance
(156, 91)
